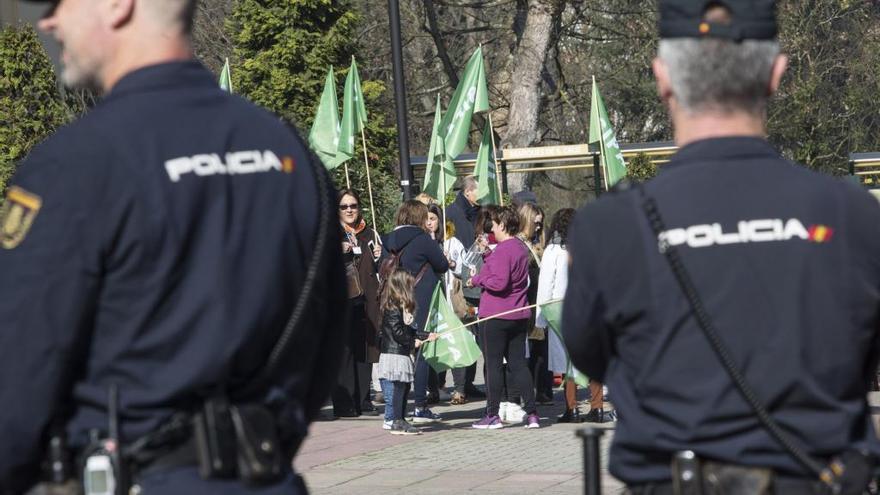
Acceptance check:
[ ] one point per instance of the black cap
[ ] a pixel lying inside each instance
(749, 19)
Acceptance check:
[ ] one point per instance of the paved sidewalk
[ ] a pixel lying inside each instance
(357, 456)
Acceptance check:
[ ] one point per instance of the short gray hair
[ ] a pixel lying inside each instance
(468, 183)
(178, 12)
(719, 75)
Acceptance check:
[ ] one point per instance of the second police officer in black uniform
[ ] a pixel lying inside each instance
(782, 264)
(152, 253)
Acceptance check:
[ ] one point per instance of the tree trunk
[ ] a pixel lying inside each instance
(525, 82)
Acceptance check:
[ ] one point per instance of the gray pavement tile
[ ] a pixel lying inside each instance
(457, 481)
(317, 478)
(390, 478)
(531, 481)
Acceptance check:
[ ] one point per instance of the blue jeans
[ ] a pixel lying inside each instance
(388, 395)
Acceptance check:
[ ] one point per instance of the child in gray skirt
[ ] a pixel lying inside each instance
(398, 340)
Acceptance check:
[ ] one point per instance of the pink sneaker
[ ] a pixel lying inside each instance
(488, 423)
(533, 421)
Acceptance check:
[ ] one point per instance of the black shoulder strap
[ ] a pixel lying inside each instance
(649, 205)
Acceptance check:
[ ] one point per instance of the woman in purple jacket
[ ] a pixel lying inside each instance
(504, 279)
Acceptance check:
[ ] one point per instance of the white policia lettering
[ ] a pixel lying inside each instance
(237, 162)
(762, 230)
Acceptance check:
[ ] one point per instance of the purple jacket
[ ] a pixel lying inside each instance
(505, 281)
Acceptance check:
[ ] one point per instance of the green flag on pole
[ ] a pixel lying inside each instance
(471, 96)
(226, 77)
(438, 163)
(485, 171)
(354, 113)
(602, 132)
(324, 136)
(455, 346)
(552, 312)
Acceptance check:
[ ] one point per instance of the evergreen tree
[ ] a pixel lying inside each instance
(282, 49)
(31, 108)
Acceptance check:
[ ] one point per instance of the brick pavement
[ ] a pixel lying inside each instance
(357, 456)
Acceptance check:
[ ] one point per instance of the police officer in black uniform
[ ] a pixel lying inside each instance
(785, 261)
(157, 247)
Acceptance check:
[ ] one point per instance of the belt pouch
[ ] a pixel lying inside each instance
(214, 436)
(259, 451)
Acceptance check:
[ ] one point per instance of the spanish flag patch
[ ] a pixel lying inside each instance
(17, 216)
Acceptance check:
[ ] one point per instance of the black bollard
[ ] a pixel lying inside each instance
(592, 460)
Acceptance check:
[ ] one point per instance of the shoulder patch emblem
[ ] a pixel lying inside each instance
(17, 215)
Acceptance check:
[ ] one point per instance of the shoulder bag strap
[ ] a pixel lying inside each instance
(789, 443)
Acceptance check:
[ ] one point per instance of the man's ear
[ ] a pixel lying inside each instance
(117, 13)
(776, 73)
(664, 85)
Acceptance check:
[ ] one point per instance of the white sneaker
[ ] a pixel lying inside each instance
(386, 425)
(515, 413)
(502, 411)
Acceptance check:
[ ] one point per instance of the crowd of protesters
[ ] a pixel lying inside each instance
(496, 264)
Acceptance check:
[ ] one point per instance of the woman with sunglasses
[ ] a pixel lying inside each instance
(361, 249)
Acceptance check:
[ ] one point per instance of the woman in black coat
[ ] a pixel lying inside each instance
(360, 250)
(422, 257)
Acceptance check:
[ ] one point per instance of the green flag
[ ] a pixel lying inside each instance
(354, 114)
(602, 132)
(455, 346)
(324, 136)
(226, 77)
(552, 312)
(485, 171)
(471, 96)
(438, 163)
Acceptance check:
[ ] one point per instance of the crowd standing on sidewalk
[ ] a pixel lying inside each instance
(495, 264)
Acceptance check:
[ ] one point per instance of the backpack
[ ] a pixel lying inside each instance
(391, 263)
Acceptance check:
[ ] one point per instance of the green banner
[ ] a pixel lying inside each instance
(354, 113)
(226, 77)
(602, 132)
(552, 312)
(455, 346)
(324, 136)
(471, 96)
(439, 172)
(485, 170)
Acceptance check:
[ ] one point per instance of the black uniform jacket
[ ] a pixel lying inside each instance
(159, 243)
(787, 262)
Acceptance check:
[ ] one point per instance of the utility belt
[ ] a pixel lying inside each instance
(225, 441)
(694, 476)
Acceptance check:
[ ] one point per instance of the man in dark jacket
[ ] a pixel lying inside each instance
(464, 210)
(137, 255)
(463, 213)
(786, 262)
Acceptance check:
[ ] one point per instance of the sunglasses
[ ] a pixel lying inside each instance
(348, 207)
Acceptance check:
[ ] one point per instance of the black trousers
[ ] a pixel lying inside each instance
(353, 383)
(538, 359)
(506, 339)
(463, 378)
